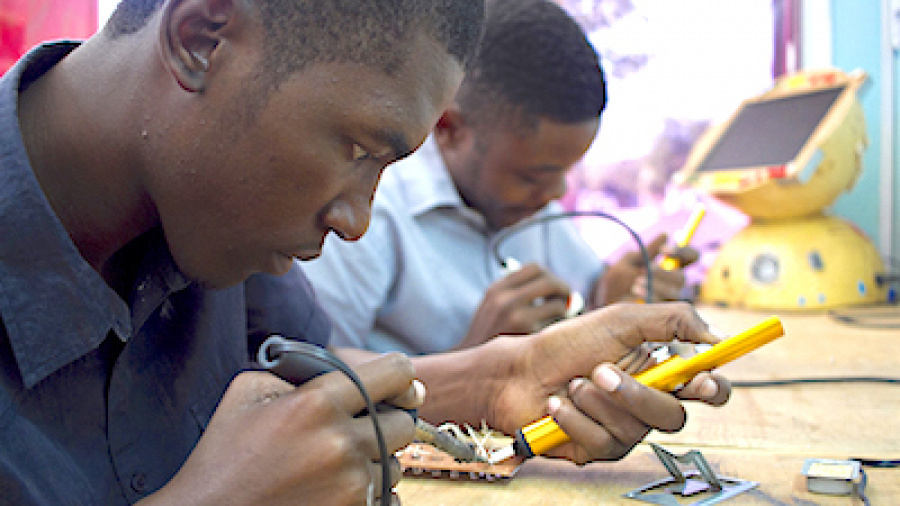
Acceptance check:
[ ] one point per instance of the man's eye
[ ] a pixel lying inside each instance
(359, 154)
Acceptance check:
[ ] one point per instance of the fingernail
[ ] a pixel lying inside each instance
(553, 404)
(709, 388)
(608, 379)
(419, 387)
(575, 384)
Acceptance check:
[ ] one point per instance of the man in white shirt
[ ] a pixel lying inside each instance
(425, 278)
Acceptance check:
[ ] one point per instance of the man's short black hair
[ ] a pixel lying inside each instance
(300, 32)
(534, 62)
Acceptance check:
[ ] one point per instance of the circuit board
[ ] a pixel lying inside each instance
(424, 460)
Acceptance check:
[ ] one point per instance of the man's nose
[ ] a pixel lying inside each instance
(555, 190)
(349, 218)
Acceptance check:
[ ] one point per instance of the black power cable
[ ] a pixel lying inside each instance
(299, 361)
(873, 319)
(807, 381)
(518, 227)
(859, 488)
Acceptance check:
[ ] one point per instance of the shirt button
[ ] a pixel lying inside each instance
(139, 482)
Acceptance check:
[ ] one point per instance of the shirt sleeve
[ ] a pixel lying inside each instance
(353, 281)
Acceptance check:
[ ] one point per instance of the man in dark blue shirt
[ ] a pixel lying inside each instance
(147, 173)
(124, 315)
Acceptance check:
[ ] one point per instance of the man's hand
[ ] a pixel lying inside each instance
(627, 279)
(523, 302)
(271, 443)
(569, 371)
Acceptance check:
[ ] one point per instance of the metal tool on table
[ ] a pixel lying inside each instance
(701, 483)
(544, 434)
(575, 304)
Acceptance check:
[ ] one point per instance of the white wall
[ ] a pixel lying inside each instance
(104, 9)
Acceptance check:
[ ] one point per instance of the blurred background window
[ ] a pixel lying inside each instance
(26, 23)
(674, 67)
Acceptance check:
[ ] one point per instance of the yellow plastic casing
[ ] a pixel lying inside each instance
(670, 264)
(677, 371)
(544, 434)
(812, 263)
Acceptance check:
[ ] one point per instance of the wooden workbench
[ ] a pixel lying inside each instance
(762, 434)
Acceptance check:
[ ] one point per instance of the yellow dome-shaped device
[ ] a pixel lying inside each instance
(812, 262)
(782, 158)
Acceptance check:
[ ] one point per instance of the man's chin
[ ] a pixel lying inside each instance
(512, 218)
(218, 282)
(208, 278)
(217, 279)
(212, 278)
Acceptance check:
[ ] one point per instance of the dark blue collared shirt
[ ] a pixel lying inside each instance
(102, 399)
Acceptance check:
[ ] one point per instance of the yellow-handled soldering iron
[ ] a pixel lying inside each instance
(543, 435)
(670, 263)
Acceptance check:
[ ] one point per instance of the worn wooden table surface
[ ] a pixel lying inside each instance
(762, 434)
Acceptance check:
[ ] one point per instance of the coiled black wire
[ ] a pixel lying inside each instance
(530, 222)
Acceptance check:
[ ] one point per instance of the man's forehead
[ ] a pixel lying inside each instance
(398, 108)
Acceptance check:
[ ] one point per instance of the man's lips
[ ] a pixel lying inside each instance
(305, 254)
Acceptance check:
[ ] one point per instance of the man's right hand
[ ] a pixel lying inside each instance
(523, 302)
(626, 279)
(573, 371)
(271, 443)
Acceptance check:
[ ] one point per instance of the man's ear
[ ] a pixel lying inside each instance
(190, 31)
(455, 139)
(451, 129)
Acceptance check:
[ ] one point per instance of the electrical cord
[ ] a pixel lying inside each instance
(891, 279)
(275, 355)
(518, 227)
(885, 319)
(824, 380)
(875, 318)
(887, 278)
(877, 463)
(861, 487)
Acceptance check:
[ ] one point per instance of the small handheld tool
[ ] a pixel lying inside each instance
(282, 357)
(574, 305)
(544, 434)
(670, 263)
(446, 442)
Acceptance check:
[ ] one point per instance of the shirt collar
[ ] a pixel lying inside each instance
(427, 185)
(54, 305)
(426, 182)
